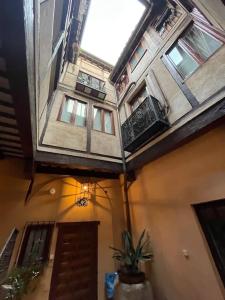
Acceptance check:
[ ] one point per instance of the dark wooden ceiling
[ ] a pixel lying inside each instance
(15, 117)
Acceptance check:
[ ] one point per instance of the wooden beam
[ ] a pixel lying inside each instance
(78, 162)
(9, 133)
(7, 115)
(8, 125)
(182, 135)
(4, 139)
(3, 74)
(5, 90)
(2, 145)
(29, 169)
(4, 103)
(75, 172)
(8, 149)
(16, 45)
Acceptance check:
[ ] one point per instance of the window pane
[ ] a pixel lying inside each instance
(140, 51)
(97, 125)
(133, 62)
(108, 122)
(80, 118)
(201, 42)
(135, 104)
(183, 62)
(67, 110)
(139, 98)
(35, 246)
(95, 83)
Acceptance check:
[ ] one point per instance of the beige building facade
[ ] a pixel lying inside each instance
(148, 132)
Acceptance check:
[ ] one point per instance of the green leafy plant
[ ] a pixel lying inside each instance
(19, 279)
(130, 256)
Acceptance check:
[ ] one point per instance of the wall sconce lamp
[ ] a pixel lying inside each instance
(86, 190)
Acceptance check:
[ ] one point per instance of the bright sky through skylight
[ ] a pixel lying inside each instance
(108, 27)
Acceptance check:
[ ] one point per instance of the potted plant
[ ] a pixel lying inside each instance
(130, 256)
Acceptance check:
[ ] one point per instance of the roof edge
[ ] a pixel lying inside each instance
(135, 38)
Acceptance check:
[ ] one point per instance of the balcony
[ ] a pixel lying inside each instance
(90, 85)
(144, 124)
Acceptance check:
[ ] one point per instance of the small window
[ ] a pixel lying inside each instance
(202, 43)
(103, 120)
(192, 49)
(36, 244)
(138, 99)
(73, 111)
(136, 57)
(122, 82)
(182, 61)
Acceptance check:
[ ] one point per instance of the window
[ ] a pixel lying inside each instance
(73, 111)
(193, 49)
(36, 244)
(6, 254)
(211, 216)
(122, 82)
(138, 99)
(103, 120)
(136, 57)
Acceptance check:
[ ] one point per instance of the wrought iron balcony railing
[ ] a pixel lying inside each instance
(90, 85)
(145, 123)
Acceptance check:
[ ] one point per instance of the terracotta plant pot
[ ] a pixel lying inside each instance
(132, 278)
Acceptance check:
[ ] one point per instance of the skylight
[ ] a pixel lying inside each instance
(108, 27)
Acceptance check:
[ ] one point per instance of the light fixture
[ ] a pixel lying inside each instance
(81, 202)
(83, 197)
(52, 191)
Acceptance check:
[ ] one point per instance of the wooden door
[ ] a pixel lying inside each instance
(74, 274)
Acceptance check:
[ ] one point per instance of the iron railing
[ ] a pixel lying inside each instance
(146, 122)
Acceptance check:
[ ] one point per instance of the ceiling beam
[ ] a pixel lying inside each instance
(78, 162)
(15, 50)
(75, 172)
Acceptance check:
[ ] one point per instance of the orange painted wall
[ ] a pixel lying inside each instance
(161, 201)
(60, 208)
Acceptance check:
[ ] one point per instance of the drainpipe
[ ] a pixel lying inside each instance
(125, 183)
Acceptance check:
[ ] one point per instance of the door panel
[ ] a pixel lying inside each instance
(74, 274)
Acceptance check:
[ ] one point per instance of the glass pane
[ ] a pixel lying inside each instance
(201, 42)
(67, 110)
(80, 118)
(97, 125)
(133, 62)
(135, 104)
(142, 95)
(140, 51)
(95, 83)
(35, 246)
(84, 78)
(139, 98)
(108, 122)
(183, 62)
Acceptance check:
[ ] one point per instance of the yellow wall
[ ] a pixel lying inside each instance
(60, 207)
(161, 200)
